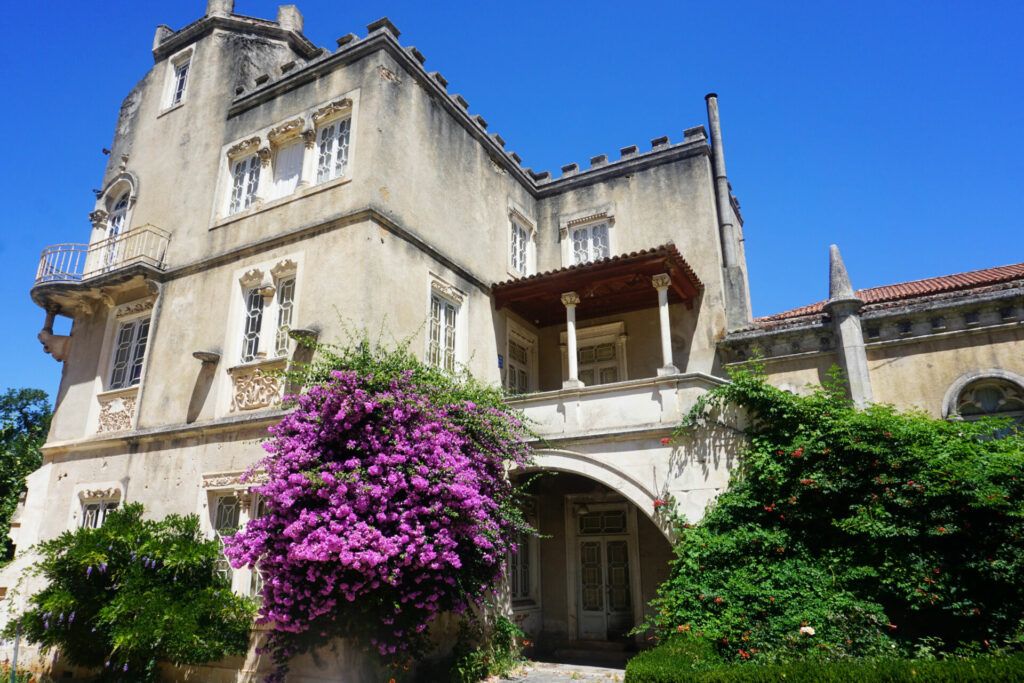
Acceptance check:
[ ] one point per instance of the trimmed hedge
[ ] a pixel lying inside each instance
(690, 661)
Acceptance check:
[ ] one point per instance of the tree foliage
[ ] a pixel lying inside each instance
(24, 423)
(387, 502)
(133, 593)
(851, 532)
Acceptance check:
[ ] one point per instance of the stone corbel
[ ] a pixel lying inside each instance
(57, 345)
(264, 154)
(244, 147)
(98, 218)
(334, 108)
(309, 138)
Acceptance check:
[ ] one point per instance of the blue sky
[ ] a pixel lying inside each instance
(893, 129)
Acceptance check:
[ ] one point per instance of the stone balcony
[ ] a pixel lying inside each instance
(647, 404)
(67, 272)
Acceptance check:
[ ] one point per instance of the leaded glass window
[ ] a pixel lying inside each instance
(225, 522)
(441, 342)
(94, 512)
(285, 304)
(180, 80)
(332, 160)
(251, 325)
(992, 397)
(245, 183)
(115, 224)
(519, 239)
(590, 243)
(129, 353)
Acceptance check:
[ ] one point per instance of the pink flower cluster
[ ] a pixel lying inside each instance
(383, 509)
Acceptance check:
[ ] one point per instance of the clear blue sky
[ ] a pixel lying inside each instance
(893, 129)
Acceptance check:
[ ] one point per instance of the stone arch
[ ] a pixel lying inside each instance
(125, 181)
(952, 397)
(555, 460)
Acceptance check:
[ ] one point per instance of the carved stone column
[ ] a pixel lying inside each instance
(265, 190)
(570, 300)
(309, 157)
(661, 282)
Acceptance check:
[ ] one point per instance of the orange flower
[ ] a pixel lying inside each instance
(666, 441)
(798, 453)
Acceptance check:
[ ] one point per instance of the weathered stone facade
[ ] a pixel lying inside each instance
(261, 187)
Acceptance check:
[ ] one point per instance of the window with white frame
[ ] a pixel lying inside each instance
(177, 78)
(519, 239)
(444, 315)
(261, 308)
(245, 182)
(333, 143)
(590, 243)
(95, 511)
(519, 360)
(252, 324)
(129, 353)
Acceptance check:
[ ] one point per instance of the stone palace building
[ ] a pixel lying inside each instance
(259, 185)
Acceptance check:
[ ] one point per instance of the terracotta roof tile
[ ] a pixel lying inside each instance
(913, 289)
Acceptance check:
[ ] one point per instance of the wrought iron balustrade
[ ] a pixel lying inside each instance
(145, 245)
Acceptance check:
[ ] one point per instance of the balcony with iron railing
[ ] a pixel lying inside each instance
(144, 246)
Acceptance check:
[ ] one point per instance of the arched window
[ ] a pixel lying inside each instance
(115, 224)
(991, 396)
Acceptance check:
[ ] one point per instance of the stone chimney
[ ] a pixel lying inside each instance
(289, 18)
(844, 306)
(219, 8)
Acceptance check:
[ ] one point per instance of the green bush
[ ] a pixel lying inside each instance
(852, 533)
(133, 593)
(689, 662)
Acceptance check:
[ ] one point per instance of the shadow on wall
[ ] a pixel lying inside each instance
(711, 446)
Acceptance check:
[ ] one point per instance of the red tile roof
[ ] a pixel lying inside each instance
(914, 289)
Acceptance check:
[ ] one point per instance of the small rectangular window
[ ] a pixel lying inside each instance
(590, 243)
(519, 239)
(332, 161)
(129, 353)
(94, 512)
(179, 83)
(441, 346)
(517, 379)
(245, 183)
(252, 324)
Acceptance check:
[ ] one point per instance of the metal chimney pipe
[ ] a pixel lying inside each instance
(726, 227)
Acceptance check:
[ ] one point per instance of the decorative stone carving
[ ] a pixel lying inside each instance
(309, 138)
(117, 410)
(112, 493)
(251, 278)
(233, 480)
(587, 219)
(244, 147)
(661, 281)
(133, 308)
(343, 105)
(515, 214)
(264, 154)
(284, 268)
(387, 74)
(447, 291)
(570, 299)
(256, 386)
(98, 218)
(284, 131)
(57, 345)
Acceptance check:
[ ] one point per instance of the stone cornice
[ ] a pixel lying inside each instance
(692, 146)
(262, 27)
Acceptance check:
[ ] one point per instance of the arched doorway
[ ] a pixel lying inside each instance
(585, 583)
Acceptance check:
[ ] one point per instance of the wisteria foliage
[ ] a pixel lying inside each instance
(387, 503)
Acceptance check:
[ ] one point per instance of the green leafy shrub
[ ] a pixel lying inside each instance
(670, 664)
(480, 652)
(133, 593)
(852, 533)
(24, 422)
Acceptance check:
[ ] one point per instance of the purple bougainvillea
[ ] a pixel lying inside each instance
(384, 508)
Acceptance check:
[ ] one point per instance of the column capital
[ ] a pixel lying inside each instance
(570, 299)
(661, 281)
(264, 154)
(309, 138)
